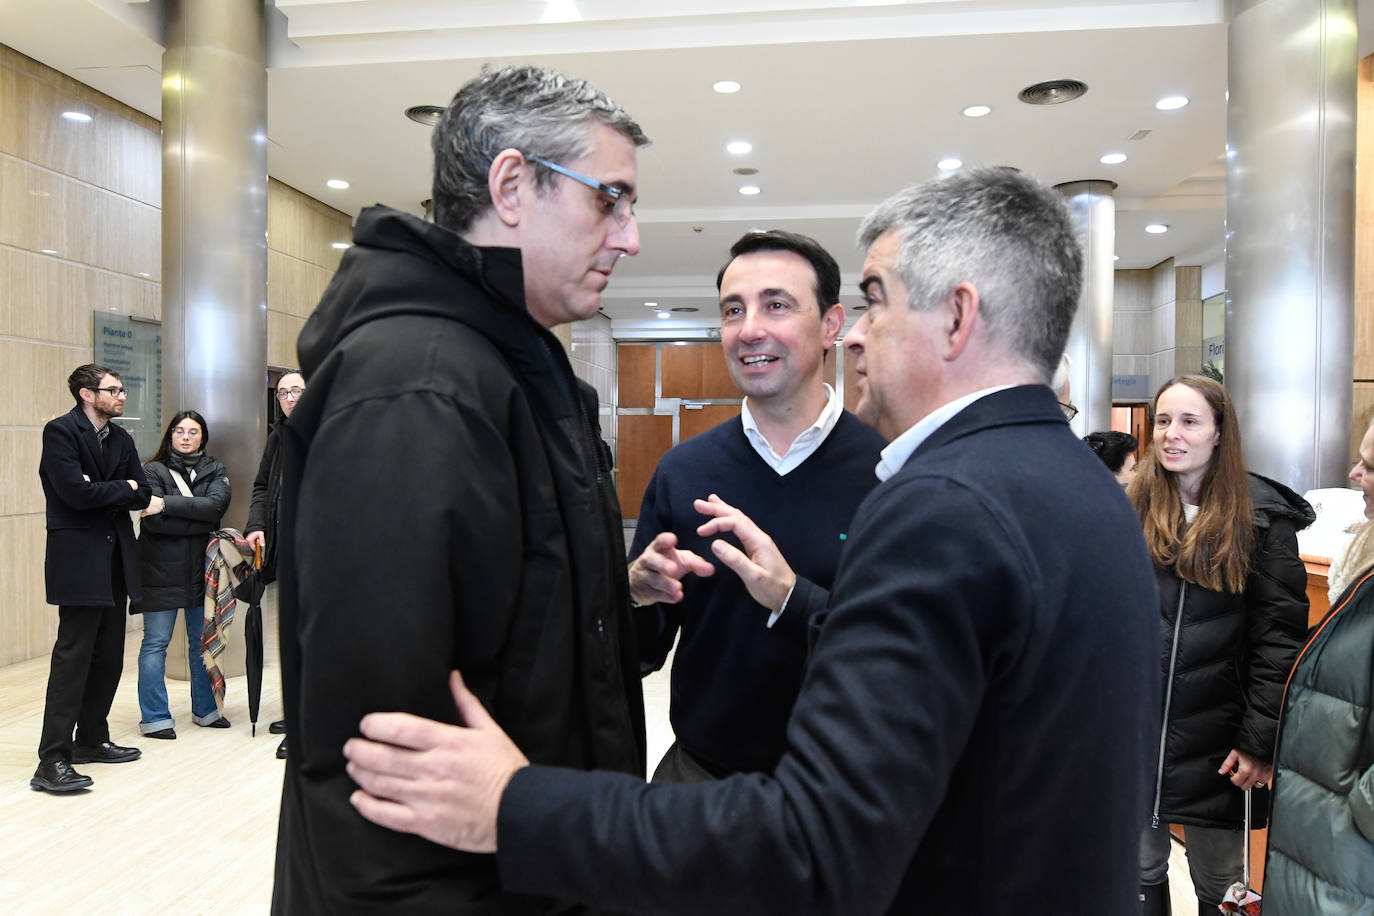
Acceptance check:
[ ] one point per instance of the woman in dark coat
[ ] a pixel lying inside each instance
(1233, 611)
(1321, 835)
(171, 556)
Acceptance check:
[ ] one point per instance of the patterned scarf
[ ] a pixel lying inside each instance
(228, 559)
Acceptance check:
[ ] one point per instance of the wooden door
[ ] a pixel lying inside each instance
(642, 439)
(697, 418)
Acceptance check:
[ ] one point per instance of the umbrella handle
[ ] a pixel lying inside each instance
(257, 555)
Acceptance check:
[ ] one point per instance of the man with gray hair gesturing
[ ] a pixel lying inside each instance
(990, 634)
(445, 503)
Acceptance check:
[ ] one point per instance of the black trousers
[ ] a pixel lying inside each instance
(87, 660)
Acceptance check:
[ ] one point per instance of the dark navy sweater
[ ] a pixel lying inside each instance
(734, 679)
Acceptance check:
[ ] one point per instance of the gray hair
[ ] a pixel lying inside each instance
(538, 111)
(1007, 234)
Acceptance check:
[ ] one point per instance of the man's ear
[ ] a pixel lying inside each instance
(510, 172)
(960, 313)
(831, 323)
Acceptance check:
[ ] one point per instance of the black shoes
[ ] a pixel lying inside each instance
(107, 752)
(281, 750)
(59, 776)
(167, 734)
(278, 727)
(221, 722)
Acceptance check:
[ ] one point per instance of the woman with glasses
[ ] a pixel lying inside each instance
(171, 556)
(1233, 610)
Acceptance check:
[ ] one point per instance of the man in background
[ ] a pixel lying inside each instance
(264, 512)
(92, 479)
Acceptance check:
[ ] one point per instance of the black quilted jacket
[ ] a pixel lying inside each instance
(1224, 660)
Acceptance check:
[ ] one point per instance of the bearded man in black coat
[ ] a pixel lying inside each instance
(91, 479)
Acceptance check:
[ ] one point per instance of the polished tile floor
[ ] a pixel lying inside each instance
(190, 827)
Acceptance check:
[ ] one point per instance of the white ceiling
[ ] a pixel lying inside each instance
(844, 103)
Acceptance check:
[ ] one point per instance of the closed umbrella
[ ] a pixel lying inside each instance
(249, 591)
(1240, 898)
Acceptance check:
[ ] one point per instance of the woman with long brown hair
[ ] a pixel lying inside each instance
(1233, 611)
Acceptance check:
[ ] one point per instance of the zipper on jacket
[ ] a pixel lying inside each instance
(1168, 698)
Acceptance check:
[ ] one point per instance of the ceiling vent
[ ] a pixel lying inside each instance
(1052, 92)
(427, 115)
(1140, 134)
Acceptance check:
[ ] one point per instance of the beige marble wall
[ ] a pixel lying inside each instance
(1157, 322)
(301, 259)
(80, 229)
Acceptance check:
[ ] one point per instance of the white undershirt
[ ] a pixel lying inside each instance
(802, 447)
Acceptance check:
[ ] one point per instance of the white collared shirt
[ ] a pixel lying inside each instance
(901, 448)
(802, 447)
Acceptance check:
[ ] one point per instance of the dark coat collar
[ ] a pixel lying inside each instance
(1019, 405)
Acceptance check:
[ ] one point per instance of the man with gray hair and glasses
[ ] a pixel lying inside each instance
(445, 503)
(973, 731)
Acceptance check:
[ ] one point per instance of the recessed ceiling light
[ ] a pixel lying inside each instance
(79, 117)
(949, 164)
(340, 245)
(977, 111)
(749, 190)
(1157, 228)
(685, 308)
(745, 170)
(739, 147)
(1171, 102)
(47, 251)
(1113, 159)
(427, 115)
(664, 315)
(651, 305)
(144, 274)
(337, 184)
(1116, 257)
(725, 87)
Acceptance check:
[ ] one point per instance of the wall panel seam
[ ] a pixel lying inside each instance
(72, 178)
(82, 265)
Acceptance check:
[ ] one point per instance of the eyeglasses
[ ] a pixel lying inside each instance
(622, 208)
(114, 392)
(1069, 410)
(284, 393)
(186, 433)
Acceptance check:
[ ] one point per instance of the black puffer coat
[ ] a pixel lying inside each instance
(171, 544)
(1321, 842)
(1225, 659)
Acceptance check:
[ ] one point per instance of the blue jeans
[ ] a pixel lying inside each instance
(152, 671)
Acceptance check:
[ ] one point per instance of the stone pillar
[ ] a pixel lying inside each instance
(1093, 209)
(1290, 188)
(214, 232)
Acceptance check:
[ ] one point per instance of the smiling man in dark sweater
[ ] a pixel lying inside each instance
(796, 465)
